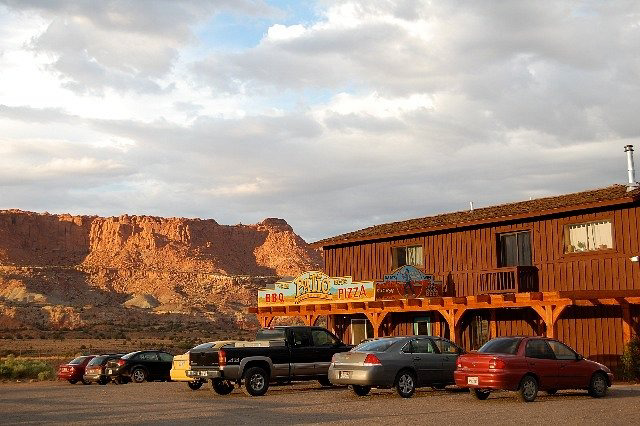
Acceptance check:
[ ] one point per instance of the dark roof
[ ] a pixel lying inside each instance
(615, 194)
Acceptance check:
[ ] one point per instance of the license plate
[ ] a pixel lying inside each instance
(472, 380)
(344, 374)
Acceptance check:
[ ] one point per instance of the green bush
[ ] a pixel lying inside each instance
(630, 361)
(14, 368)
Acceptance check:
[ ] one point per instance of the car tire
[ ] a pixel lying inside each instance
(551, 391)
(480, 394)
(256, 381)
(73, 381)
(103, 381)
(528, 389)
(195, 384)
(221, 386)
(138, 375)
(324, 381)
(406, 383)
(598, 385)
(361, 390)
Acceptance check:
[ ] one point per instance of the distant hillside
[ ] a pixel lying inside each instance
(75, 272)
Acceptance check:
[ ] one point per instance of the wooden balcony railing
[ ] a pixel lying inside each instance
(516, 279)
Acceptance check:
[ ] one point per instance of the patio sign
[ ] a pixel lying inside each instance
(316, 287)
(407, 282)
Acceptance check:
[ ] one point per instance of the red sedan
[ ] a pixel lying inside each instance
(529, 364)
(74, 370)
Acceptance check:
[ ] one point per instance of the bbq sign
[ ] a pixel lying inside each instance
(316, 287)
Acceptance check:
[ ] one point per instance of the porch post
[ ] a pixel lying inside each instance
(493, 326)
(627, 326)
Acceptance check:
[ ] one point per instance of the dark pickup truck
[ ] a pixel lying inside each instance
(280, 354)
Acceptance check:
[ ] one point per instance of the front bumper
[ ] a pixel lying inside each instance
(493, 380)
(363, 375)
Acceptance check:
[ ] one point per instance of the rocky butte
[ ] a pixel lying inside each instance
(73, 272)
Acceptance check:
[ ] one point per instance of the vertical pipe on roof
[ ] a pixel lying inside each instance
(630, 168)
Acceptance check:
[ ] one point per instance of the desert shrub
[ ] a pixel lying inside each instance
(630, 361)
(22, 368)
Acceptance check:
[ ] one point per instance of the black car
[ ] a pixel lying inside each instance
(140, 366)
(95, 370)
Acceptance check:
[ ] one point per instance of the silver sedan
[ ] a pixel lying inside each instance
(401, 362)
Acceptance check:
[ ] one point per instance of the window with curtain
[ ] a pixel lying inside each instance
(588, 236)
(409, 255)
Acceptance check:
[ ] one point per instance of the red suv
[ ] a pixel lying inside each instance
(74, 370)
(529, 364)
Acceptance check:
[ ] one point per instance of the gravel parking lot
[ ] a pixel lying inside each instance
(172, 403)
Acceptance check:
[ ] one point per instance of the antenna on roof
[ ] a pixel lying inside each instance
(471, 205)
(630, 168)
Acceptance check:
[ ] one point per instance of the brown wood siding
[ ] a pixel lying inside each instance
(458, 256)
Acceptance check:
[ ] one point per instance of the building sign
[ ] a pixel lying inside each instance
(407, 282)
(316, 287)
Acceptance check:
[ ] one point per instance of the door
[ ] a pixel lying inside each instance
(422, 326)
(542, 362)
(325, 345)
(361, 329)
(302, 352)
(573, 371)
(448, 354)
(425, 361)
(151, 363)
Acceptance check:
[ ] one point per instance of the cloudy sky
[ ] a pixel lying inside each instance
(331, 115)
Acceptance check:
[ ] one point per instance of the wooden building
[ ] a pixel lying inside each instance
(560, 266)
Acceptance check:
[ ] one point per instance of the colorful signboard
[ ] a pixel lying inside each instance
(316, 287)
(407, 282)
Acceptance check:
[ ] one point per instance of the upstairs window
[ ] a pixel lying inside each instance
(515, 249)
(409, 255)
(589, 236)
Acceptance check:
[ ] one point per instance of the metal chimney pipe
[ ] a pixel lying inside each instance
(630, 168)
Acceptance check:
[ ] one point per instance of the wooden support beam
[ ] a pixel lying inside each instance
(493, 325)
(376, 319)
(310, 319)
(550, 315)
(453, 317)
(627, 325)
(265, 320)
(483, 298)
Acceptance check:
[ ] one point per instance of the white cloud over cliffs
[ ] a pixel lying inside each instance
(336, 117)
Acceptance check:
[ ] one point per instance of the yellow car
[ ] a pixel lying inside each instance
(181, 365)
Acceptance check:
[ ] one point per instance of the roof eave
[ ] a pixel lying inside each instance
(328, 243)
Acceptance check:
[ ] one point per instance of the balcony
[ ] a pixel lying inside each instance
(516, 279)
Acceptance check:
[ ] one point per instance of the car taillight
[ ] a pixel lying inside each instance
(222, 358)
(371, 359)
(459, 365)
(497, 363)
(121, 362)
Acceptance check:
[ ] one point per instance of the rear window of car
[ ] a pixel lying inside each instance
(202, 346)
(503, 345)
(129, 355)
(374, 345)
(275, 334)
(97, 360)
(78, 360)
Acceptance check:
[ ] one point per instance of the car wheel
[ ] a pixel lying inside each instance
(551, 391)
(406, 384)
(138, 375)
(86, 382)
(103, 381)
(528, 389)
(221, 386)
(480, 394)
(256, 381)
(361, 390)
(73, 381)
(598, 385)
(324, 381)
(195, 385)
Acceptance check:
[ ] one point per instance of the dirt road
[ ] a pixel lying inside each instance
(173, 403)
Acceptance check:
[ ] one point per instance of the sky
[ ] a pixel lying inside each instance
(333, 115)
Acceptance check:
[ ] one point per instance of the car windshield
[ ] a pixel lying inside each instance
(97, 360)
(202, 346)
(374, 345)
(78, 360)
(504, 345)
